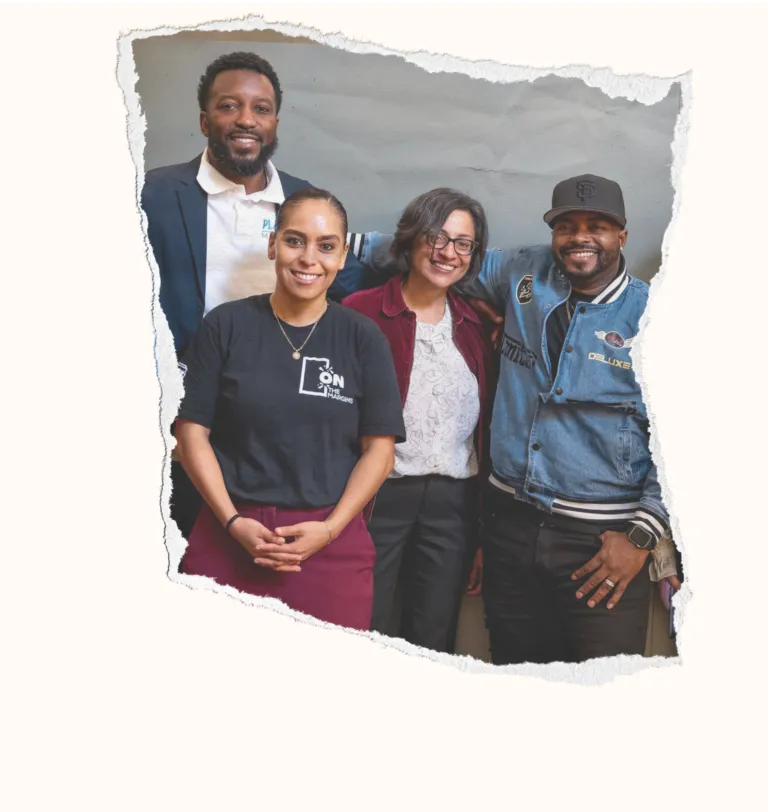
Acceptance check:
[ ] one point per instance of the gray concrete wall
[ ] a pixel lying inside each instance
(377, 131)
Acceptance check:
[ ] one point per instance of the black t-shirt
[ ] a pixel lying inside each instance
(557, 327)
(560, 319)
(287, 432)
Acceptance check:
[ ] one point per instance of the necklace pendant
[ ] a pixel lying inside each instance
(296, 355)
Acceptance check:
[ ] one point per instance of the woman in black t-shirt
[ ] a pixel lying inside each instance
(287, 428)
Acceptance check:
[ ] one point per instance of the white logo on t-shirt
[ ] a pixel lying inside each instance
(318, 378)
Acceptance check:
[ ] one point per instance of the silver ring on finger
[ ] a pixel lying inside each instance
(610, 583)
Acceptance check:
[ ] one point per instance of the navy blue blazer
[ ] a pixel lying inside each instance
(177, 210)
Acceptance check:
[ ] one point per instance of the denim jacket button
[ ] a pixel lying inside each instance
(582, 309)
(559, 390)
(536, 446)
(569, 348)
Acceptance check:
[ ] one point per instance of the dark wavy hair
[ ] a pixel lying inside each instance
(239, 60)
(427, 213)
(311, 193)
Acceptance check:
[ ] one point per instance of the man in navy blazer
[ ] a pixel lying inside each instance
(177, 213)
(240, 98)
(209, 220)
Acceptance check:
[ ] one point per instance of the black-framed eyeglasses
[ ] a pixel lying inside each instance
(461, 245)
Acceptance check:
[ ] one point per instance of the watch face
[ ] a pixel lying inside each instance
(640, 537)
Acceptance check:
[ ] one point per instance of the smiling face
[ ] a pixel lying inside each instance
(240, 122)
(586, 246)
(443, 267)
(309, 249)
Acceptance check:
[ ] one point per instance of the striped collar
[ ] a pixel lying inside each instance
(615, 288)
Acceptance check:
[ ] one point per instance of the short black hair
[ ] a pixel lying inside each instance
(427, 213)
(311, 193)
(239, 60)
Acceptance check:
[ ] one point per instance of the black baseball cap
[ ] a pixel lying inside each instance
(588, 193)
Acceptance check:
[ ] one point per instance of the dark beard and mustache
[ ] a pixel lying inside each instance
(242, 167)
(602, 261)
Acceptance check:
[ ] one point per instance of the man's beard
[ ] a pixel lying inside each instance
(243, 167)
(603, 261)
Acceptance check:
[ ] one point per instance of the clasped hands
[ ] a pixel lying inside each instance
(273, 549)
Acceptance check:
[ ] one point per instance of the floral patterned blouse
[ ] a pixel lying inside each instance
(441, 409)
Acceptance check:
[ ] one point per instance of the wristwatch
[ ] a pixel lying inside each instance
(641, 537)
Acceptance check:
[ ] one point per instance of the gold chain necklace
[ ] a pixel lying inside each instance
(296, 350)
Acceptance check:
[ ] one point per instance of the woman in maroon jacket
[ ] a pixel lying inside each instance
(424, 522)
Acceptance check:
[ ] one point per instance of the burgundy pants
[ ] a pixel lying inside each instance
(335, 584)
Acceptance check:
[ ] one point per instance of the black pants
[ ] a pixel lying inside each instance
(530, 600)
(424, 529)
(185, 500)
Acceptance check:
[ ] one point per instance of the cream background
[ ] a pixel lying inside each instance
(122, 690)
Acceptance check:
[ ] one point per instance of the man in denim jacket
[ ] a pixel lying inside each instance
(574, 493)
(574, 506)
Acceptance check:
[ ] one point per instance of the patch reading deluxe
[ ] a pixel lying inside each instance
(614, 362)
(525, 289)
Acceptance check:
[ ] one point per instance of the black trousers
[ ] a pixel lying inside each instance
(424, 531)
(531, 608)
(185, 500)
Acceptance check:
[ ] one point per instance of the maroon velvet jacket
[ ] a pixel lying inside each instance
(386, 306)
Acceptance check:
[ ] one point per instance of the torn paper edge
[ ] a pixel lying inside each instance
(635, 87)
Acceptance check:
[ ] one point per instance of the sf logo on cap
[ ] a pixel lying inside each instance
(585, 189)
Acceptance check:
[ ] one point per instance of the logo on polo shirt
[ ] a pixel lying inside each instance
(319, 379)
(614, 339)
(525, 289)
(267, 226)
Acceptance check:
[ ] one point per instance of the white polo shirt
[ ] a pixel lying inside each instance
(239, 226)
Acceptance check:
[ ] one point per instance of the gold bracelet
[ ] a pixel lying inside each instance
(330, 534)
